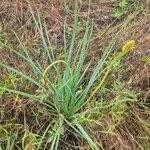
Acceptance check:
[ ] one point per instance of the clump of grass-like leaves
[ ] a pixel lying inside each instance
(65, 93)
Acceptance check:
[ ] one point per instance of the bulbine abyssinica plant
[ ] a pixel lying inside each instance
(64, 93)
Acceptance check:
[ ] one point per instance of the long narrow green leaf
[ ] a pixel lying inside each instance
(83, 133)
(43, 136)
(27, 54)
(75, 29)
(33, 97)
(22, 75)
(22, 56)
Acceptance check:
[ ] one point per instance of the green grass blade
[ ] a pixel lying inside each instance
(43, 136)
(22, 56)
(83, 133)
(22, 75)
(33, 97)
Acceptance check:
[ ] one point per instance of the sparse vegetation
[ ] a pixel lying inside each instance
(70, 79)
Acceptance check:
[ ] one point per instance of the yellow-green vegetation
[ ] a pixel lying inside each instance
(70, 79)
